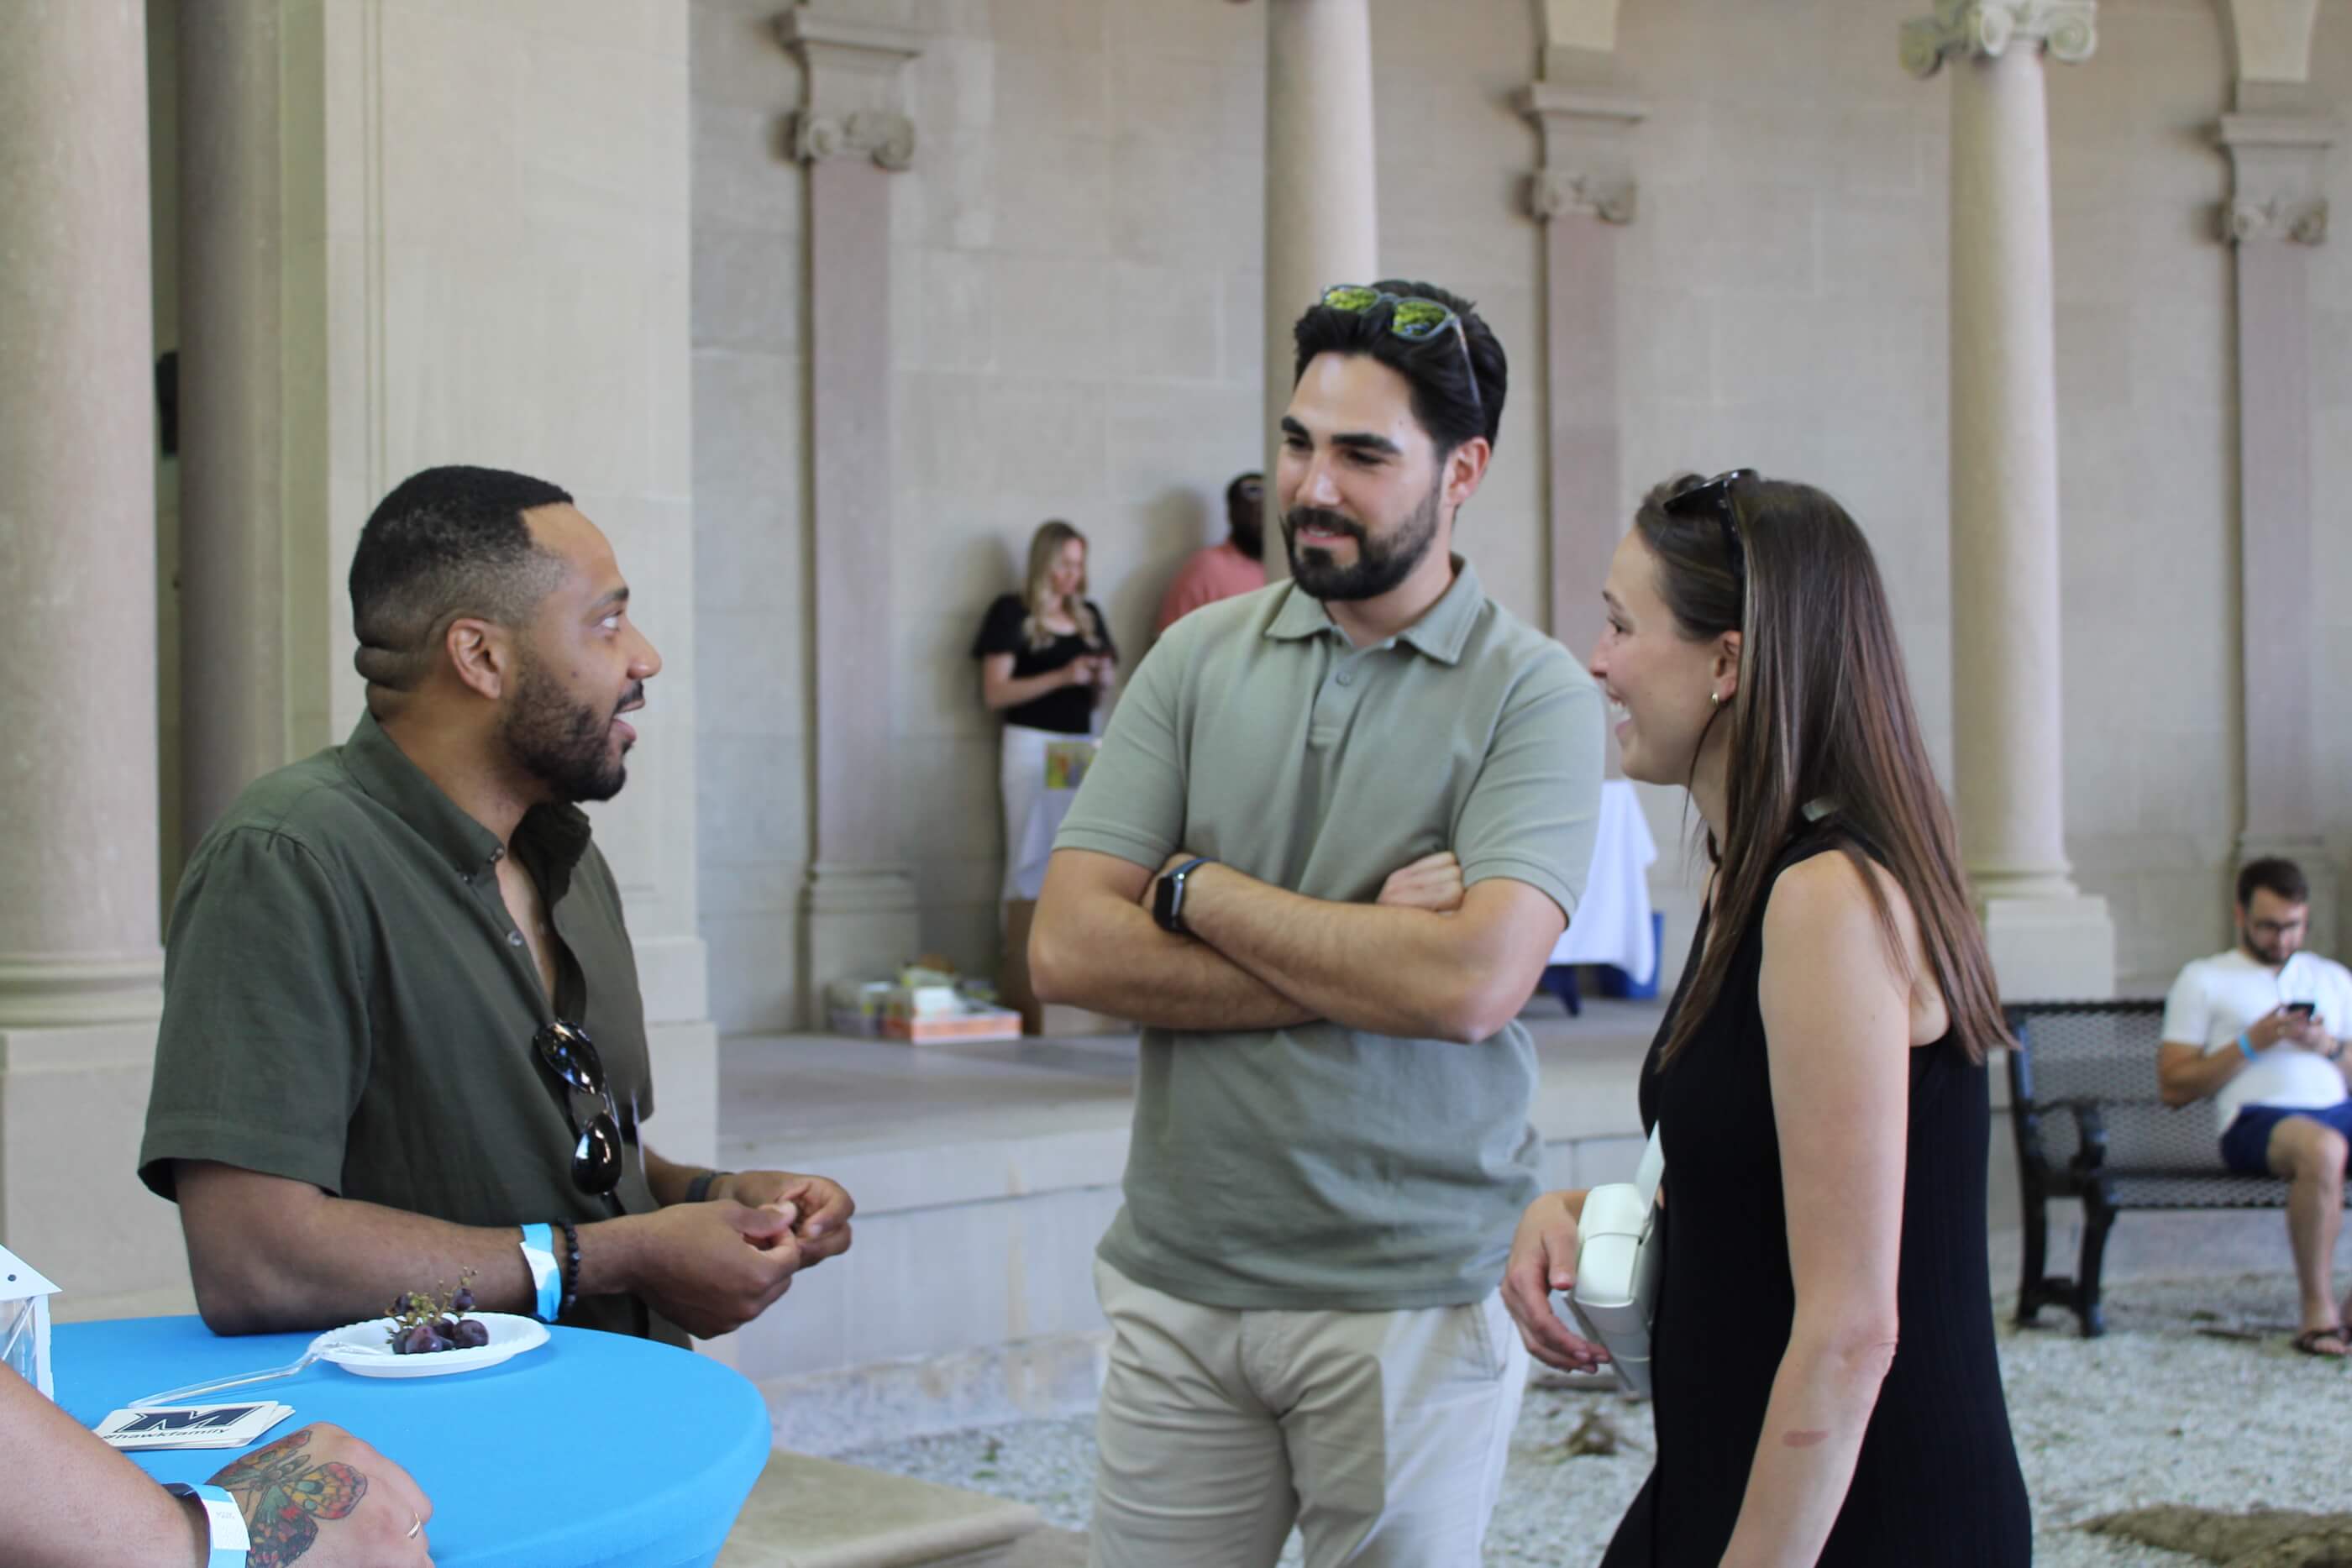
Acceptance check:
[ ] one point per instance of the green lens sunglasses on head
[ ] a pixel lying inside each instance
(1414, 320)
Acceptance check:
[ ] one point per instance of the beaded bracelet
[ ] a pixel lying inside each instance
(571, 1265)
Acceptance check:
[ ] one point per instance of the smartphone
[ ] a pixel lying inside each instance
(2300, 1009)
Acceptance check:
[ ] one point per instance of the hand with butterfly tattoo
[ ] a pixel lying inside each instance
(321, 1497)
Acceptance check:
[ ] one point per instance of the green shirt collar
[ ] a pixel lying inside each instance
(558, 832)
(1440, 632)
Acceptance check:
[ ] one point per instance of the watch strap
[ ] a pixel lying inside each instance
(223, 1522)
(698, 1189)
(1174, 883)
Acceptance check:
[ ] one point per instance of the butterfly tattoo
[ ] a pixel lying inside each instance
(284, 1494)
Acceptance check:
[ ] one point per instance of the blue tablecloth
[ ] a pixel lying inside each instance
(593, 1449)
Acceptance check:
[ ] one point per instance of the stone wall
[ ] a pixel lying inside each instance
(751, 480)
(485, 259)
(1078, 312)
(2331, 386)
(2148, 481)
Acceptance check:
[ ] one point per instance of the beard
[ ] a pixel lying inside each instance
(1378, 568)
(564, 745)
(1249, 537)
(1247, 525)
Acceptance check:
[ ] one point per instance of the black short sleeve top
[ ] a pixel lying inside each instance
(1070, 709)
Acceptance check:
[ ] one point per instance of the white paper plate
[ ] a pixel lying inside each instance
(366, 1348)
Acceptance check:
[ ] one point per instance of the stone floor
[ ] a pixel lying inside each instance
(1030, 1136)
(1050, 1548)
(2192, 1398)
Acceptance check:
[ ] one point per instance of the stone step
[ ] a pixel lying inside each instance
(819, 1513)
(1049, 1547)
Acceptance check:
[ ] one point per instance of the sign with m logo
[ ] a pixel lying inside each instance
(213, 1419)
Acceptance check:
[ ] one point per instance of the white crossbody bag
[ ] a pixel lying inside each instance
(1615, 1297)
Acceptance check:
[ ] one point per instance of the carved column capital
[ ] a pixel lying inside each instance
(2303, 222)
(884, 135)
(1553, 192)
(2276, 191)
(1585, 165)
(855, 108)
(1987, 30)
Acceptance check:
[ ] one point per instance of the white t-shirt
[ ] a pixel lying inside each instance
(2214, 1001)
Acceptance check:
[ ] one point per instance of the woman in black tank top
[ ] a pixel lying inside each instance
(1824, 1379)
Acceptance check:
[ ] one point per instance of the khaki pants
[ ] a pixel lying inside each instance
(1381, 1435)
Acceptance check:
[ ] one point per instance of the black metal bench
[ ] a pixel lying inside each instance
(2090, 1126)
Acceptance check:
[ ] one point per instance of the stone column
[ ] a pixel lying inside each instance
(2277, 214)
(1583, 195)
(2047, 939)
(79, 965)
(860, 914)
(1322, 215)
(234, 665)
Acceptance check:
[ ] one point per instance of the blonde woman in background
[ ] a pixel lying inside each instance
(1046, 661)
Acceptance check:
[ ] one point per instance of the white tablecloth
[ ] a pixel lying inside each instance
(1613, 922)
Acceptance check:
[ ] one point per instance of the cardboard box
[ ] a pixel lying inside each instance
(959, 1028)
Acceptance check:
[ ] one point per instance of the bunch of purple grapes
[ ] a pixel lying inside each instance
(421, 1324)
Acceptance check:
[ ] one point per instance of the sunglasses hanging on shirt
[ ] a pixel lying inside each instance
(564, 1049)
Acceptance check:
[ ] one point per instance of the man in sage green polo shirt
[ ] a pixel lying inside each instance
(401, 1038)
(1371, 795)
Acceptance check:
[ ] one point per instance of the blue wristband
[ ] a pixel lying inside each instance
(223, 1524)
(2245, 1045)
(539, 1257)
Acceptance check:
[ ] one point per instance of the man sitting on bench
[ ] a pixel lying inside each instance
(2259, 1032)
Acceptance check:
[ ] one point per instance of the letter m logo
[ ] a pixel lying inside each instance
(189, 1420)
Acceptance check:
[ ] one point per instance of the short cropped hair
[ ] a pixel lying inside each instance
(1443, 399)
(446, 542)
(2275, 875)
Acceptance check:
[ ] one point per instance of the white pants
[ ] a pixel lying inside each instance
(1021, 777)
(1381, 1435)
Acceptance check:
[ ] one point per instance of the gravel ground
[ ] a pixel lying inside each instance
(2162, 1409)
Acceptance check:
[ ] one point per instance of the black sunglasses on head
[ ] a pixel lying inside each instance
(564, 1049)
(1712, 498)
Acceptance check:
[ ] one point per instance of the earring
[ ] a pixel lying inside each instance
(1714, 699)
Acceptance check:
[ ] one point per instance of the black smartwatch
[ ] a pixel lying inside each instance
(1167, 898)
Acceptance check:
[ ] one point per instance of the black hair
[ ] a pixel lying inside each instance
(446, 542)
(1450, 406)
(1234, 490)
(2273, 875)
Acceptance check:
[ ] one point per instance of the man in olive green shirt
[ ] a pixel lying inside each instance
(402, 1041)
(1370, 793)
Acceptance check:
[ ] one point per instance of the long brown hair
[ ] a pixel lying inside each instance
(1824, 712)
(1044, 551)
